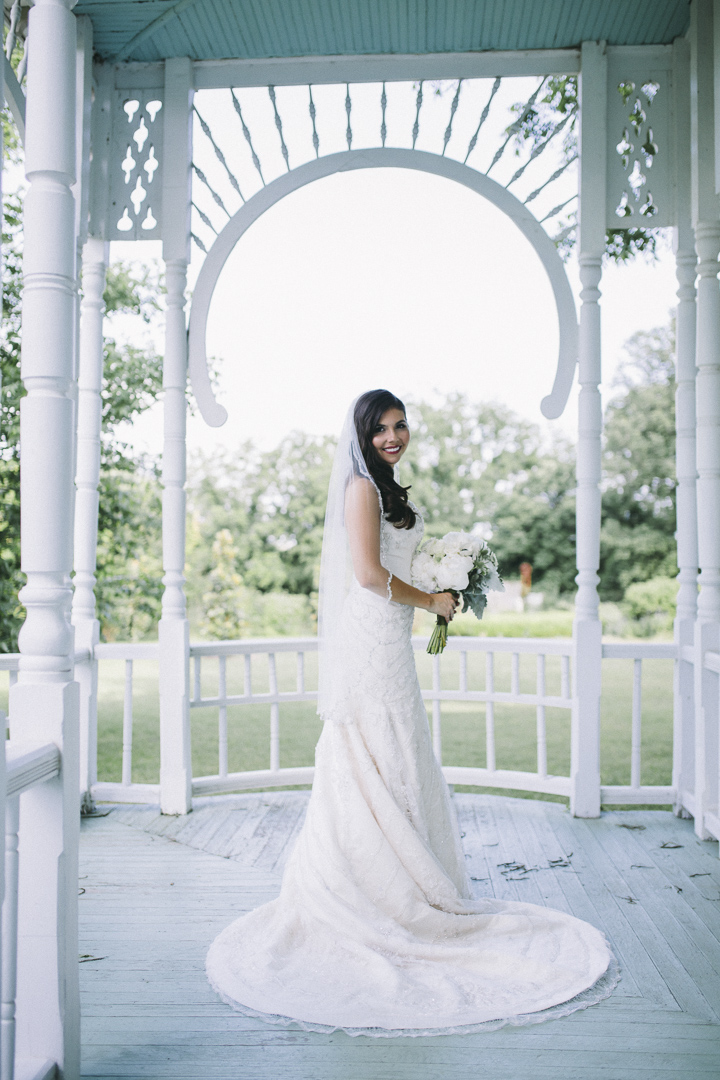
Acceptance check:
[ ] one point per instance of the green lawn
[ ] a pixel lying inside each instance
(463, 724)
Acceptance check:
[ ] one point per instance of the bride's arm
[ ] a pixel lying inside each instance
(362, 518)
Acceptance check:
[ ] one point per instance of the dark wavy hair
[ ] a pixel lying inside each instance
(369, 408)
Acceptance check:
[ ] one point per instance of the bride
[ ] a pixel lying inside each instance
(375, 931)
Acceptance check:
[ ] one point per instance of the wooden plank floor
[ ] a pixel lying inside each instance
(158, 889)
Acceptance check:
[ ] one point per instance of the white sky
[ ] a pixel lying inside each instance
(390, 278)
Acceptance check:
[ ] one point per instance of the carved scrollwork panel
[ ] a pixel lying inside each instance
(135, 166)
(640, 166)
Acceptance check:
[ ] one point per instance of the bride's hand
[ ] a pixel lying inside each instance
(444, 604)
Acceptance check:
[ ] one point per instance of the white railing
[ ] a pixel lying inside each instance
(9, 662)
(125, 791)
(550, 688)
(541, 648)
(26, 767)
(456, 655)
(637, 651)
(274, 776)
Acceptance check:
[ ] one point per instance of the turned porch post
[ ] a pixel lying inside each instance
(175, 763)
(587, 629)
(44, 701)
(92, 263)
(686, 467)
(87, 626)
(706, 220)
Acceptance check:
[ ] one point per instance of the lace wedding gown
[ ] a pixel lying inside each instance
(374, 930)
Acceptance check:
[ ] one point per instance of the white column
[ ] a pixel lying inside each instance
(9, 937)
(87, 626)
(175, 761)
(587, 629)
(44, 702)
(707, 242)
(686, 510)
(686, 467)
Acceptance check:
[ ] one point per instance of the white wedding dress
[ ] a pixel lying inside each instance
(374, 930)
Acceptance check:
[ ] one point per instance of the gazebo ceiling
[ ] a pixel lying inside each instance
(151, 30)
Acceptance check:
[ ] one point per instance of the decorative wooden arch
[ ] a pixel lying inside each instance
(552, 406)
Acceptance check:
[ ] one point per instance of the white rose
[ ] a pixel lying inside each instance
(456, 543)
(433, 547)
(478, 545)
(423, 570)
(453, 571)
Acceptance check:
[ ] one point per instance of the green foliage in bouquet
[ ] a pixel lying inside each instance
(474, 599)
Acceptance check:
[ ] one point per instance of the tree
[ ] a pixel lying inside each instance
(223, 598)
(272, 503)
(534, 522)
(483, 466)
(461, 458)
(129, 564)
(638, 518)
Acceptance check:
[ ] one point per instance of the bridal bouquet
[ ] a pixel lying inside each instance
(459, 563)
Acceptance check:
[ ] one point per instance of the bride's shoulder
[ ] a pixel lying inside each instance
(361, 494)
(360, 487)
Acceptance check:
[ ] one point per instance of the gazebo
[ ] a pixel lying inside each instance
(105, 101)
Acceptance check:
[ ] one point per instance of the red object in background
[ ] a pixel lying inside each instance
(525, 577)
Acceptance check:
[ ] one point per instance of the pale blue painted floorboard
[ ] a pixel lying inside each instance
(157, 890)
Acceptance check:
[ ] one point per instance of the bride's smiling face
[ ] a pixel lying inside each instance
(391, 436)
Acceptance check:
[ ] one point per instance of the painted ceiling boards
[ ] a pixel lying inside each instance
(149, 30)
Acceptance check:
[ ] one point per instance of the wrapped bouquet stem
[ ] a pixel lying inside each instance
(439, 636)
(461, 564)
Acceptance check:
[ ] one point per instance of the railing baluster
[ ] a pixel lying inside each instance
(301, 673)
(453, 110)
(248, 139)
(348, 110)
(278, 125)
(127, 725)
(197, 688)
(313, 115)
(515, 674)
(9, 939)
(14, 18)
(13, 677)
(463, 672)
(418, 107)
(636, 724)
(490, 712)
(247, 687)
(483, 118)
(274, 716)
(383, 106)
(436, 714)
(222, 717)
(541, 730)
(565, 676)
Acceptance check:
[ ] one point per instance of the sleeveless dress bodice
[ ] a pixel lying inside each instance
(397, 546)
